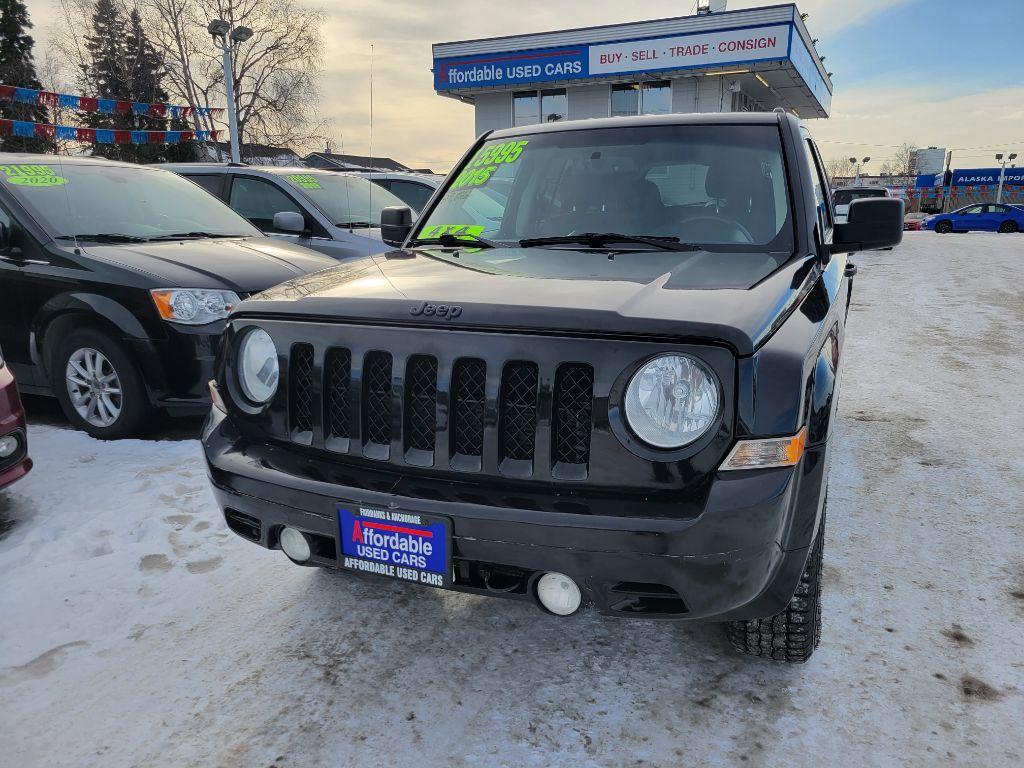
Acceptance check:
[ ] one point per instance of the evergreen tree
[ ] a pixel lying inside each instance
(18, 69)
(124, 65)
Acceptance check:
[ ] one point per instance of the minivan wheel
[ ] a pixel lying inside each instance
(99, 386)
(792, 635)
(1008, 226)
(944, 227)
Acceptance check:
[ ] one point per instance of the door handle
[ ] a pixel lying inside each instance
(851, 270)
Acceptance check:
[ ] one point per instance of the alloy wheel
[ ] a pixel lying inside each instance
(94, 387)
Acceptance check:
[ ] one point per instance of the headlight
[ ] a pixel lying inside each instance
(193, 306)
(671, 401)
(257, 366)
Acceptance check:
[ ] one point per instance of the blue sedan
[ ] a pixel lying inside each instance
(986, 217)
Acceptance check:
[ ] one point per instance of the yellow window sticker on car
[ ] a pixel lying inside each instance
(31, 176)
(436, 230)
(304, 180)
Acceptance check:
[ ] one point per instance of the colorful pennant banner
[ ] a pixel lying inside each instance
(100, 135)
(104, 106)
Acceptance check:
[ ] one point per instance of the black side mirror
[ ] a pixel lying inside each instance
(395, 224)
(7, 246)
(872, 223)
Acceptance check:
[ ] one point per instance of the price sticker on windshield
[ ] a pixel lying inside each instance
(31, 176)
(487, 161)
(304, 180)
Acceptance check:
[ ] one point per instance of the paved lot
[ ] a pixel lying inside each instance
(136, 631)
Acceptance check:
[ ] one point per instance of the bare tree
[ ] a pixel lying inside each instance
(275, 72)
(839, 167)
(902, 161)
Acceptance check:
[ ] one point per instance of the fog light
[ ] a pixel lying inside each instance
(295, 545)
(8, 446)
(559, 594)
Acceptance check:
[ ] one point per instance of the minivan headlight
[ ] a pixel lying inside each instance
(671, 401)
(258, 369)
(193, 306)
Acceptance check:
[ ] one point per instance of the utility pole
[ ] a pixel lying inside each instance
(853, 161)
(1002, 173)
(228, 39)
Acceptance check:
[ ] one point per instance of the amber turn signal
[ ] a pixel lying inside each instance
(771, 452)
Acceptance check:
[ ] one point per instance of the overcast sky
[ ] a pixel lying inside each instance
(934, 72)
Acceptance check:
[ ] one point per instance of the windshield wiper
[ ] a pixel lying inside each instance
(601, 239)
(357, 224)
(105, 237)
(191, 235)
(466, 239)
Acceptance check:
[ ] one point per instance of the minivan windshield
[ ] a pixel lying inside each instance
(345, 200)
(847, 196)
(119, 202)
(720, 189)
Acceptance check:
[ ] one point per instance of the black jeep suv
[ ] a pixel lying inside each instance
(600, 371)
(115, 282)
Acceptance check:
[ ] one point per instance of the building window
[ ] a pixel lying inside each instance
(656, 98)
(653, 98)
(525, 108)
(547, 106)
(625, 99)
(554, 105)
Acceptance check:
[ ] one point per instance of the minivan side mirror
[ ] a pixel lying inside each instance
(289, 221)
(872, 223)
(395, 224)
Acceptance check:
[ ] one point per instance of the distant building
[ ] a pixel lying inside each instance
(928, 161)
(335, 162)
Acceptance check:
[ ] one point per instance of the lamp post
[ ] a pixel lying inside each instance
(1002, 173)
(853, 161)
(228, 39)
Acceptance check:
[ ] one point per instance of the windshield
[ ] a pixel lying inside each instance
(136, 202)
(847, 196)
(721, 188)
(345, 200)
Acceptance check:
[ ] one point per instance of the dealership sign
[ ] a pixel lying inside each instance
(973, 177)
(775, 42)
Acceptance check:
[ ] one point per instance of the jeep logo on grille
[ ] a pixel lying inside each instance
(442, 311)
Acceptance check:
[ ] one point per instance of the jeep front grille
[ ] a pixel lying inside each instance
(430, 411)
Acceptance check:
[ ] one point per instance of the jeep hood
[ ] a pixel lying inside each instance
(394, 289)
(243, 265)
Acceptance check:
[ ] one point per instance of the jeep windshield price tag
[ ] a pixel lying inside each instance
(401, 545)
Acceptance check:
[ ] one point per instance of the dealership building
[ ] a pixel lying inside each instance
(716, 61)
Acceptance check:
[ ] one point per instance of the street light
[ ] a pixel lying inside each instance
(221, 32)
(1002, 173)
(853, 161)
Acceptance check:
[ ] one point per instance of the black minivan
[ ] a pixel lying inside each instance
(115, 282)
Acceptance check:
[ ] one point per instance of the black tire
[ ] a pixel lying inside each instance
(1008, 226)
(792, 635)
(136, 413)
(944, 227)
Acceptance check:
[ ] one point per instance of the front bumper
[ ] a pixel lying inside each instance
(178, 368)
(729, 562)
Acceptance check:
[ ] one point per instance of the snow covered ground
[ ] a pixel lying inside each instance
(135, 630)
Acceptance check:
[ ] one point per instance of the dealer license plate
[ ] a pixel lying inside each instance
(401, 545)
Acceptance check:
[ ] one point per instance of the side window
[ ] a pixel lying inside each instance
(820, 185)
(211, 182)
(258, 201)
(416, 195)
(972, 211)
(998, 209)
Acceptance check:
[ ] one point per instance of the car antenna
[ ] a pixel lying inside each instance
(67, 197)
(369, 212)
